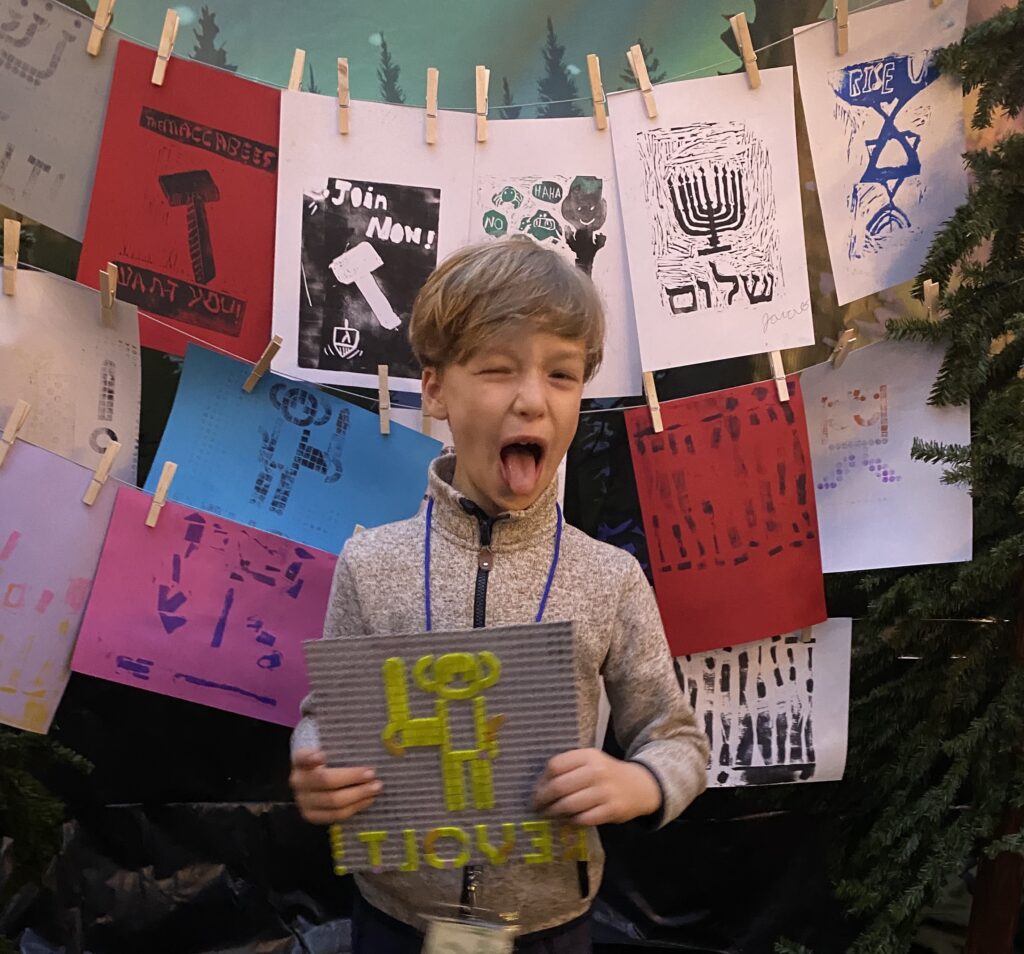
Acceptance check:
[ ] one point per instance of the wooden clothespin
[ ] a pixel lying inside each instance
(343, 95)
(483, 79)
(930, 291)
(298, 65)
(432, 79)
(779, 374)
(160, 497)
(653, 403)
(636, 62)
(384, 398)
(742, 33)
(262, 366)
(842, 348)
(597, 91)
(100, 24)
(842, 27)
(163, 54)
(807, 634)
(108, 294)
(102, 472)
(12, 241)
(14, 424)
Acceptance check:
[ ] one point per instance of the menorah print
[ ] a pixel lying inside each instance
(704, 210)
(869, 92)
(715, 239)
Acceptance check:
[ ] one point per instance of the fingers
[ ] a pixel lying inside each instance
(321, 816)
(568, 761)
(328, 795)
(577, 803)
(341, 798)
(552, 790)
(601, 815)
(319, 778)
(308, 758)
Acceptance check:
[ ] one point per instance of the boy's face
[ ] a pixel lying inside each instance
(512, 409)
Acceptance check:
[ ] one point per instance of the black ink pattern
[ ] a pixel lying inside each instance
(713, 216)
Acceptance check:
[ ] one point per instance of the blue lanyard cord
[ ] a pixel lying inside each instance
(554, 565)
(426, 566)
(427, 610)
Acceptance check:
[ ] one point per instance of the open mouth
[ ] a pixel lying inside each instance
(521, 464)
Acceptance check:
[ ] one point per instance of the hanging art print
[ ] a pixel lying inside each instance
(287, 458)
(203, 609)
(774, 711)
(553, 180)
(362, 221)
(81, 375)
(727, 496)
(50, 543)
(863, 419)
(711, 202)
(184, 203)
(52, 97)
(886, 134)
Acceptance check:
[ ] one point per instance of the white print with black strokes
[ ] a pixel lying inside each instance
(713, 218)
(756, 703)
(567, 213)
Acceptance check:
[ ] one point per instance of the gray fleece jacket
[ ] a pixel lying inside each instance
(378, 588)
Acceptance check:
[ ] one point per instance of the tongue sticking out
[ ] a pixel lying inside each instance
(520, 467)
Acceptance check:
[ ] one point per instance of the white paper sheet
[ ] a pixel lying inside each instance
(774, 711)
(362, 220)
(554, 180)
(52, 99)
(876, 506)
(82, 379)
(710, 197)
(886, 134)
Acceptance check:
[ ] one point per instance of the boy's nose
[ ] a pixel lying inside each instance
(530, 396)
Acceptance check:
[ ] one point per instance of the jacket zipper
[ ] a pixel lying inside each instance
(484, 562)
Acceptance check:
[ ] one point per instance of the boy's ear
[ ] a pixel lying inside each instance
(433, 399)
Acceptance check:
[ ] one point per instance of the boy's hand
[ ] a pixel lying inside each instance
(588, 787)
(325, 795)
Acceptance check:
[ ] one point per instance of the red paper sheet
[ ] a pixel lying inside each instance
(728, 503)
(185, 202)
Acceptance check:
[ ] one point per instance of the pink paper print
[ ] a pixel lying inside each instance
(204, 609)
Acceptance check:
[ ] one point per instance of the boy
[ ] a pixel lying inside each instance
(507, 334)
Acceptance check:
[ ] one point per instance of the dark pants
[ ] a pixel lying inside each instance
(374, 932)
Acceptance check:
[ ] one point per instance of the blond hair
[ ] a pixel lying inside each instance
(482, 293)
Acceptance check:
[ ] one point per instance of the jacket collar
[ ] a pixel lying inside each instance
(459, 518)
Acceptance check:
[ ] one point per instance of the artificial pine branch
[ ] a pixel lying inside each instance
(30, 813)
(935, 774)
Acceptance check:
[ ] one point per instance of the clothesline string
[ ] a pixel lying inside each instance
(374, 402)
(545, 102)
